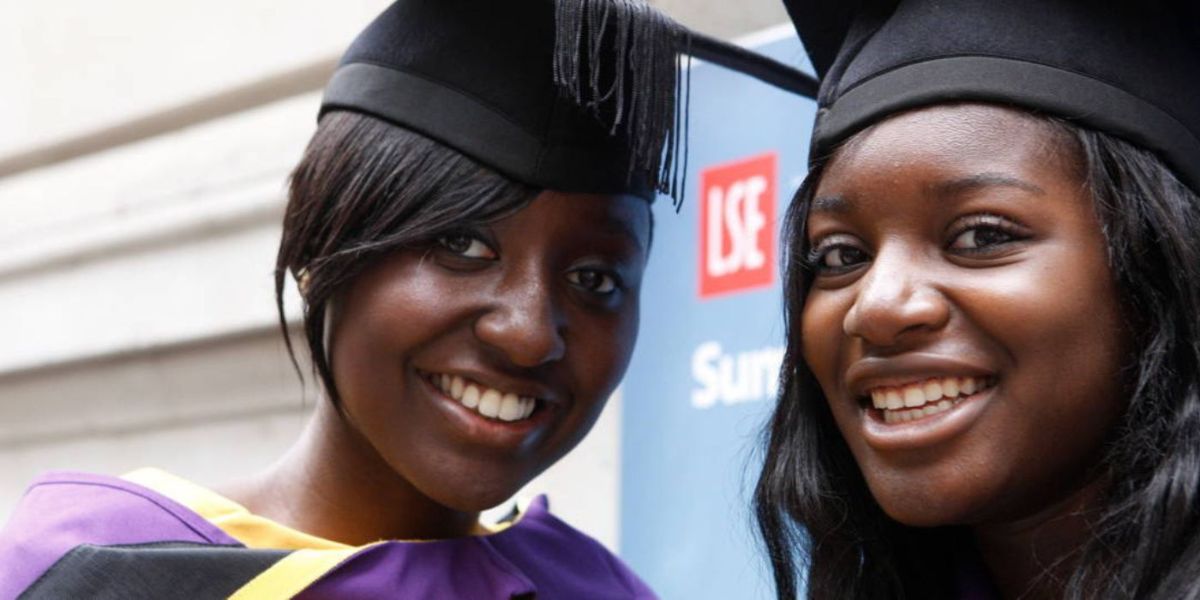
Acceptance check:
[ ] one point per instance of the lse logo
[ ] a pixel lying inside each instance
(737, 225)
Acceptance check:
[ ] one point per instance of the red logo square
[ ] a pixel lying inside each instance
(737, 225)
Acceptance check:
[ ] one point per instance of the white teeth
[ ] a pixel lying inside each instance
(489, 403)
(912, 414)
(510, 408)
(894, 401)
(913, 396)
(967, 386)
(933, 390)
(950, 387)
(913, 401)
(470, 397)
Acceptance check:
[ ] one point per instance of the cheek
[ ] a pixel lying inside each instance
(821, 336)
(1060, 329)
(600, 351)
(388, 313)
(361, 343)
(1059, 322)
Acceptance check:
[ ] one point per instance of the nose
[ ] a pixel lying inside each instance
(524, 322)
(897, 299)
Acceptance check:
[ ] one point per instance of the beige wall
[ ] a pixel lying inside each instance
(79, 65)
(143, 150)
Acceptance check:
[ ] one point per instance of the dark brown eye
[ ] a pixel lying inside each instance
(466, 245)
(840, 257)
(984, 233)
(980, 237)
(835, 254)
(593, 281)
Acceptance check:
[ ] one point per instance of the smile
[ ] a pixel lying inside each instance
(487, 401)
(899, 404)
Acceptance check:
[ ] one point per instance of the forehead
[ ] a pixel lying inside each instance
(949, 142)
(622, 216)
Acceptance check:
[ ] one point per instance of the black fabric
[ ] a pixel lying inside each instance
(753, 64)
(482, 131)
(1124, 67)
(160, 571)
(571, 95)
(487, 89)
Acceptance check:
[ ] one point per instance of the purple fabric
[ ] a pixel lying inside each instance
(63, 510)
(539, 554)
(540, 544)
(437, 569)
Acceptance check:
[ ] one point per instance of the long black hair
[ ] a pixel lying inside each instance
(365, 188)
(814, 510)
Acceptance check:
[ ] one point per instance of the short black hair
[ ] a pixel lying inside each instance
(363, 189)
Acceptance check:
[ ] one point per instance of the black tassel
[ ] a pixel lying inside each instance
(632, 82)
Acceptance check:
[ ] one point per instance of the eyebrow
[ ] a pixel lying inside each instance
(984, 180)
(839, 205)
(829, 204)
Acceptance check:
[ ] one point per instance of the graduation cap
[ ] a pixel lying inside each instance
(1127, 68)
(571, 95)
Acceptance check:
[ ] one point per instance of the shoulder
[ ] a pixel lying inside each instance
(62, 511)
(563, 561)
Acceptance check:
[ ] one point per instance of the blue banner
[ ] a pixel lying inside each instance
(703, 378)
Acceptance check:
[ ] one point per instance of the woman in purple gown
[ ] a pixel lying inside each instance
(468, 229)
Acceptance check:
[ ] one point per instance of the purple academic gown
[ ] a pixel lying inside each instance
(110, 538)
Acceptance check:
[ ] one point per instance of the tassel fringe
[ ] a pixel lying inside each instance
(632, 84)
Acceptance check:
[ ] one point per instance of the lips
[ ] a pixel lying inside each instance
(915, 400)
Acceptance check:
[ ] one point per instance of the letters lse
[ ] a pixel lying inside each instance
(737, 225)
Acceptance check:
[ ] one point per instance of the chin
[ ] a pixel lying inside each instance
(472, 493)
(924, 516)
(923, 506)
(480, 501)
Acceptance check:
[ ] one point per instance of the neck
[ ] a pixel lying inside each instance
(334, 485)
(1033, 557)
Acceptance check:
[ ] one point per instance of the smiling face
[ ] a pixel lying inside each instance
(471, 365)
(963, 322)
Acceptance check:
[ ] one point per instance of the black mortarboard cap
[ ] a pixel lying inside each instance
(571, 95)
(1127, 68)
